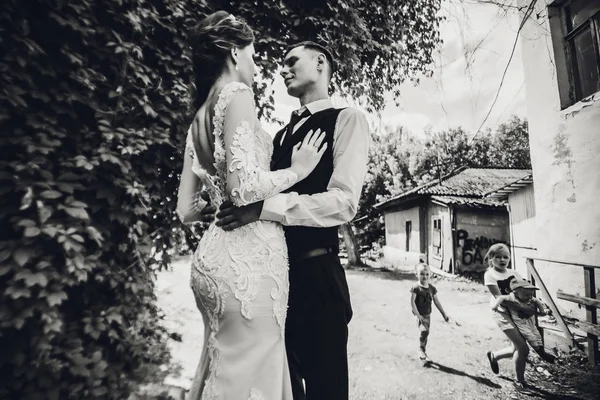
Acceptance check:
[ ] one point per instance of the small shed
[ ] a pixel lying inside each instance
(449, 223)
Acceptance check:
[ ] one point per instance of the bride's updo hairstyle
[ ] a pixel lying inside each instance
(211, 42)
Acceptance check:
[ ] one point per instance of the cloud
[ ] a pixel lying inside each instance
(467, 72)
(414, 122)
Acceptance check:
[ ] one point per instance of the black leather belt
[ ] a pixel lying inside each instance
(313, 253)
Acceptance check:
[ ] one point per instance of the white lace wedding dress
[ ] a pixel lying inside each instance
(240, 278)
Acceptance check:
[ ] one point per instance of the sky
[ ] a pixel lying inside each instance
(477, 43)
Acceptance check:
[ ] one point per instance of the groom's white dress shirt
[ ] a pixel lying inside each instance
(339, 203)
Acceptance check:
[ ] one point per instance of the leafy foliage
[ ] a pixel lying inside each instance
(93, 111)
(510, 145)
(93, 101)
(378, 44)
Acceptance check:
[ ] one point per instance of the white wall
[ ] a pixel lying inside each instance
(395, 229)
(394, 251)
(565, 149)
(522, 226)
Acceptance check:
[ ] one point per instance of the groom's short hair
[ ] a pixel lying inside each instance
(316, 47)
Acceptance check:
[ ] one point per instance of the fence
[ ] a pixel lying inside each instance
(590, 301)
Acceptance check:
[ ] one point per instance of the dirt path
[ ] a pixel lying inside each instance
(383, 340)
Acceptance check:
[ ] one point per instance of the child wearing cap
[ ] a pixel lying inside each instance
(522, 293)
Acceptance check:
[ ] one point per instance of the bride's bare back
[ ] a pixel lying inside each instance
(202, 131)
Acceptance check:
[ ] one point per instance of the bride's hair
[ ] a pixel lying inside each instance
(211, 42)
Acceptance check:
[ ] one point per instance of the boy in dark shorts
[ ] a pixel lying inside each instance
(422, 295)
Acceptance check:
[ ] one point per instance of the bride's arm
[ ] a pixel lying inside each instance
(189, 202)
(247, 181)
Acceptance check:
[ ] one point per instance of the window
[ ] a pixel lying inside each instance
(408, 227)
(580, 31)
(436, 241)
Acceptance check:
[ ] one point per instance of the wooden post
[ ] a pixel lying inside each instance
(531, 279)
(539, 283)
(591, 314)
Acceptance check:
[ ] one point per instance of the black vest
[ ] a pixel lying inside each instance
(301, 238)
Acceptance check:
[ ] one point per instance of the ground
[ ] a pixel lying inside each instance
(383, 343)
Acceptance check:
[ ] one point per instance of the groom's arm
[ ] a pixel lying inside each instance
(339, 203)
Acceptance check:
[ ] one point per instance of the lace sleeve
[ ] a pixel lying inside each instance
(247, 180)
(189, 202)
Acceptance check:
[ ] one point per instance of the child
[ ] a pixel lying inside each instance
(422, 294)
(522, 292)
(497, 278)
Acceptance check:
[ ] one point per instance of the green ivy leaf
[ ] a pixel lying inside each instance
(31, 278)
(17, 292)
(44, 213)
(50, 231)
(32, 231)
(95, 235)
(54, 326)
(115, 318)
(78, 213)
(21, 256)
(26, 223)
(80, 370)
(4, 269)
(100, 391)
(149, 111)
(50, 194)
(78, 238)
(5, 255)
(56, 298)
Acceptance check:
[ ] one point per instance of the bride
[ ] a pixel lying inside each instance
(239, 278)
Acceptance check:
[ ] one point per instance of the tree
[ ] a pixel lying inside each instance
(510, 145)
(388, 174)
(93, 115)
(447, 150)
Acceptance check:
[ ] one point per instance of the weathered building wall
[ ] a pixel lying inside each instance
(395, 229)
(395, 237)
(565, 150)
(521, 205)
(476, 231)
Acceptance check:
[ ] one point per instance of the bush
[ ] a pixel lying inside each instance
(91, 113)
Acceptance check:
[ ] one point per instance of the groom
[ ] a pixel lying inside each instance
(311, 211)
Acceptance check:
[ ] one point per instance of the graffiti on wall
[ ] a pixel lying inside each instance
(473, 248)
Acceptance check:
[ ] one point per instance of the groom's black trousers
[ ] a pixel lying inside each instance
(317, 328)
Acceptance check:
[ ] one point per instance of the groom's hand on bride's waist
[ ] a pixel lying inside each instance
(207, 214)
(231, 217)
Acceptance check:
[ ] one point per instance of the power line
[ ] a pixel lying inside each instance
(511, 103)
(528, 13)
